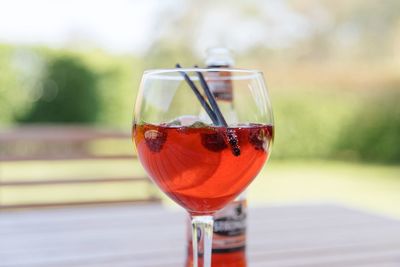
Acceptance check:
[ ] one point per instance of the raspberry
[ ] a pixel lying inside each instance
(233, 141)
(155, 139)
(257, 138)
(214, 141)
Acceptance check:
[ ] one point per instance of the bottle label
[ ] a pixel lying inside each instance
(220, 85)
(230, 228)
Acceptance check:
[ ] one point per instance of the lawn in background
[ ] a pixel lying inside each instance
(374, 188)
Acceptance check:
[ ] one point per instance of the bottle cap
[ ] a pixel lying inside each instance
(219, 56)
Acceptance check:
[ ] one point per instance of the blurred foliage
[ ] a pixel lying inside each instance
(118, 81)
(350, 125)
(67, 93)
(373, 134)
(39, 84)
(328, 116)
(308, 122)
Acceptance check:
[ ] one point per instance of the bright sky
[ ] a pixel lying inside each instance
(130, 25)
(118, 25)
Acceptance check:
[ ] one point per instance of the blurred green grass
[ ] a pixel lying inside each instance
(365, 186)
(370, 187)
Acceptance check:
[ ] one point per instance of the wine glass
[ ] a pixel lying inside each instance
(199, 149)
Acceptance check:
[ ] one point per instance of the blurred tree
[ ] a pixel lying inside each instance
(67, 93)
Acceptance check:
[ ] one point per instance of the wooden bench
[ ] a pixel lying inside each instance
(48, 143)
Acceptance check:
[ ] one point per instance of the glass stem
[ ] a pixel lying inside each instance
(205, 225)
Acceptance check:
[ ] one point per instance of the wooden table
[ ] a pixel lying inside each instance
(153, 236)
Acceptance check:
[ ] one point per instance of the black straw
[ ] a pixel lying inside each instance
(215, 113)
(232, 138)
(203, 102)
(211, 99)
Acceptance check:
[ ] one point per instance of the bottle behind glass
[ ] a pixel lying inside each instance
(229, 237)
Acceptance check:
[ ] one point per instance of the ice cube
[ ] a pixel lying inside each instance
(187, 120)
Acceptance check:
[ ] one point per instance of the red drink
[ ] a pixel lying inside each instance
(196, 166)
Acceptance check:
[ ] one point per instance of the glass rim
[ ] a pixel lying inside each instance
(170, 74)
